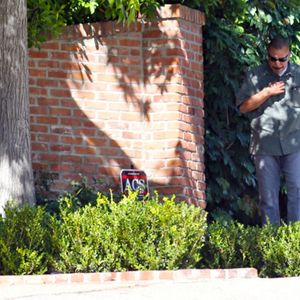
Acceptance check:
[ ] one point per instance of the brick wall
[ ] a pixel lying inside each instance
(106, 97)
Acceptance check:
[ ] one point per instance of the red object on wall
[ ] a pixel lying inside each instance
(134, 180)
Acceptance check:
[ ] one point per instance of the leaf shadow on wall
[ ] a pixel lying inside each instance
(123, 69)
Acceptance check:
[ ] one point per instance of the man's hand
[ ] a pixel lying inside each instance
(276, 88)
(255, 101)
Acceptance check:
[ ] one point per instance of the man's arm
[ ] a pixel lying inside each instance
(262, 96)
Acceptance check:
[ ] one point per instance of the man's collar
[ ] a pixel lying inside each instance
(285, 70)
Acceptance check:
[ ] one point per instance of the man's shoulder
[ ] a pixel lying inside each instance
(260, 69)
(257, 71)
(295, 68)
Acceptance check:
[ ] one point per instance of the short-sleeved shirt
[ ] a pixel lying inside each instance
(275, 125)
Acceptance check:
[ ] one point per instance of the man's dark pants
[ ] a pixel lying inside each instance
(268, 171)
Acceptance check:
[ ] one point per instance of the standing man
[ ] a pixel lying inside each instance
(270, 98)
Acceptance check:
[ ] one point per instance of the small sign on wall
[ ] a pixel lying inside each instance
(134, 180)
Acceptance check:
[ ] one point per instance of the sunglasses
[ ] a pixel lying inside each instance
(281, 59)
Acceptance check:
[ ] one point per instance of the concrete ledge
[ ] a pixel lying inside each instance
(131, 276)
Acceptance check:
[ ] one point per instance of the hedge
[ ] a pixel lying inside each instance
(130, 234)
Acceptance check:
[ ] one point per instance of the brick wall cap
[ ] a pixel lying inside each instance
(131, 276)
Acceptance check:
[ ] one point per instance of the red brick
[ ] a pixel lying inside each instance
(47, 82)
(31, 63)
(96, 142)
(72, 140)
(39, 166)
(131, 135)
(231, 273)
(47, 101)
(48, 64)
(93, 278)
(60, 93)
(49, 157)
(73, 158)
(166, 275)
(147, 275)
(165, 135)
(110, 152)
(42, 137)
(71, 47)
(83, 76)
(109, 276)
(52, 45)
(60, 111)
(109, 41)
(60, 148)
(84, 95)
(85, 150)
(170, 190)
(128, 276)
(70, 177)
(70, 122)
(60, 55)
(72, 66)
(68, 103)
(38, 54)
(47, 120)
(200, 195)
(61, 130)
(32, 82)
(38, 91)
(60, 186)
(62, 168)
(85, 132)
(62, 278)
(39, 147)
(37, 72)
(218, 273)
(38, 128)
(87, 169)
(152, 34)
(57, 74)
(39, 110)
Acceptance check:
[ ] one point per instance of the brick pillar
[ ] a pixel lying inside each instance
(174, 88)
(105, 97)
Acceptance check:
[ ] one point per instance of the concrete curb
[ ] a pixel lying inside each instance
(131, 276)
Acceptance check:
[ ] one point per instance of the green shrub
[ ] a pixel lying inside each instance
(24, 240)
(231, 246)
(273, 251)
(154, 234)
(280, 248)
(129, 235)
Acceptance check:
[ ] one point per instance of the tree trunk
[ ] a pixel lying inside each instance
(16, 177)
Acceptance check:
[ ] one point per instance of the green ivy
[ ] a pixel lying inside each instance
(48, 17)
(235, 37)
(45, 18)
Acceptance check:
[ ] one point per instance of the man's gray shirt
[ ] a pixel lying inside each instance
(275, 125)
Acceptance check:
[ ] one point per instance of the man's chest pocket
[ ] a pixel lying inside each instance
(295, 96)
